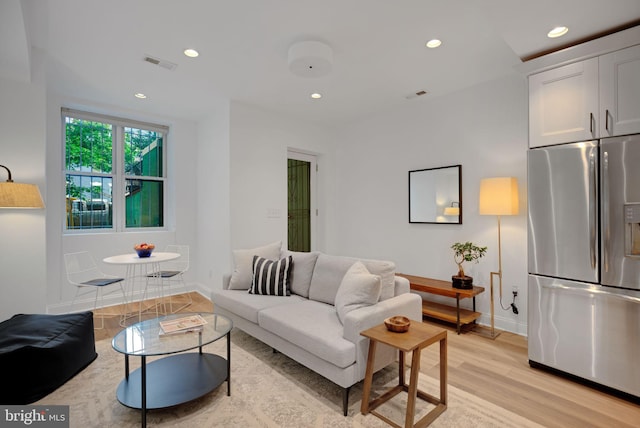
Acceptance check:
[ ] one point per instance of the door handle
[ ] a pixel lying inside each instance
(606, 119)
(591, 122)
(592, 208)
(605, 208)
(591, 291)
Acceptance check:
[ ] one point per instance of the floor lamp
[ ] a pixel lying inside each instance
(498, 196)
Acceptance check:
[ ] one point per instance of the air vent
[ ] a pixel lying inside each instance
(416, 94)
(160, 62)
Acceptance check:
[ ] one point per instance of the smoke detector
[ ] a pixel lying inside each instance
(310, 59)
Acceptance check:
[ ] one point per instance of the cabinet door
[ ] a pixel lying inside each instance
(620, 92)
(563, 104)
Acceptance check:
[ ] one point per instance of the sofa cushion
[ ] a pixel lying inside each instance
(248, 305)
(314, 327)
(243, 261)
(302, 270)
(387, 272)
(329, 271)
(358, 288)
(271, 277)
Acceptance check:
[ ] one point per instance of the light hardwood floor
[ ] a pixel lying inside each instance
(497, 371)
(112, 319)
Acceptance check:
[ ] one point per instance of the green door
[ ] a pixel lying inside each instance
(299, 205)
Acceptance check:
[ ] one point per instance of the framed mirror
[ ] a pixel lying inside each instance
(435, 195)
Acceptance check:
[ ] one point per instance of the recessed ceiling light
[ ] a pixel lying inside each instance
(191, 53)
(140, 95)
(316, 96)
(557, 32)
(434, 43)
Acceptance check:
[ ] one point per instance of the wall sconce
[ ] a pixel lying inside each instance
(498, 196)
(19, 195)
(454, 209)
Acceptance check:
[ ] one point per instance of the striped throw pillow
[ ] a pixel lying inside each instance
(271, 277)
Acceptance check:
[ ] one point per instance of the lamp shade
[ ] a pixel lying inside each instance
(452, 211)
(499, 196)
(20, 195)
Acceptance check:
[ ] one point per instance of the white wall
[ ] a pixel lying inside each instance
(22, 232)
(212, 257)
(483, 128)
(259, 142)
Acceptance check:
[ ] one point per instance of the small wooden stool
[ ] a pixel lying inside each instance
(418, 337)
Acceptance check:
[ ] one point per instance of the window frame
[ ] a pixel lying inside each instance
(117, 174)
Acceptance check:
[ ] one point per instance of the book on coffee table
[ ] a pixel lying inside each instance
(187, 324)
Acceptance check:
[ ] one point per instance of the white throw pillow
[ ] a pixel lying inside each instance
(358, 288)
(302, 270)
(243, 261)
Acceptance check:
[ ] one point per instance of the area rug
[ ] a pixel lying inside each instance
(268, 389)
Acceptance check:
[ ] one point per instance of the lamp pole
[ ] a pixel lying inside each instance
(499, 275)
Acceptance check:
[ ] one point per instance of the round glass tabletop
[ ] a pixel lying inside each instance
(145, 338)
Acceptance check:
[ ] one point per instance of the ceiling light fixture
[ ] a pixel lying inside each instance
(310, 59)
(316, 96)
(191, 53)
(140, 95)
(557, 32)
(434, 43)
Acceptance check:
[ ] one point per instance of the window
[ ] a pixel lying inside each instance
(115, 172)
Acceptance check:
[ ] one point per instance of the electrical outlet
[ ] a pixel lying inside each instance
(514, 290)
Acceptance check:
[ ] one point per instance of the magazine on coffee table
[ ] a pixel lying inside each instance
(187, 324)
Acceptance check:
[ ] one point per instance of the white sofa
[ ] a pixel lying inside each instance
(332, 299)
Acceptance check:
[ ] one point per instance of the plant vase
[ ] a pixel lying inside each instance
(463, 282)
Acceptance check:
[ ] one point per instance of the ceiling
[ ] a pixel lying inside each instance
(94, 49)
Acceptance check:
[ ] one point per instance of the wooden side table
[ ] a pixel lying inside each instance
(456, 315)
(417, 338)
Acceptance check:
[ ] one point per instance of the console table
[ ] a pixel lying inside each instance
(456, 314)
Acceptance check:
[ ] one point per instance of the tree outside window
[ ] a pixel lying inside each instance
(96, 196)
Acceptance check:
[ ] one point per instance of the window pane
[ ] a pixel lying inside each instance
(142, 152)
(89, 202)
(88, 146)
(144, 203)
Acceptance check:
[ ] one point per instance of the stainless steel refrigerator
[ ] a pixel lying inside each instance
(584, 260)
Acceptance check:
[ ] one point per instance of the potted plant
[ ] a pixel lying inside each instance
(467, 252)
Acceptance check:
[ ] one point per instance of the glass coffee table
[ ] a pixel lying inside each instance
(179, 377)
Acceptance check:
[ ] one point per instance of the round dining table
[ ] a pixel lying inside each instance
(138, 270)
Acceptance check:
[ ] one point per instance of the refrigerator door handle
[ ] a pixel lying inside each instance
(591, 291)
(592, 208)
(605, 209)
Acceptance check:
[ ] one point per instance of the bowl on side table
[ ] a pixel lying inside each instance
(397, 324)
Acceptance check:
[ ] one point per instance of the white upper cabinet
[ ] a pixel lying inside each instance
(563, 104)
(620, 92)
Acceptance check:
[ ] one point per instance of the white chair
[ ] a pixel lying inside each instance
(83, 272)
(171, 272)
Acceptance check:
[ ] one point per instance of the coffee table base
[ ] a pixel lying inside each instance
(174, 380)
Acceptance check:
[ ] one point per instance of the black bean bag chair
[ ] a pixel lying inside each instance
(39, 353)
